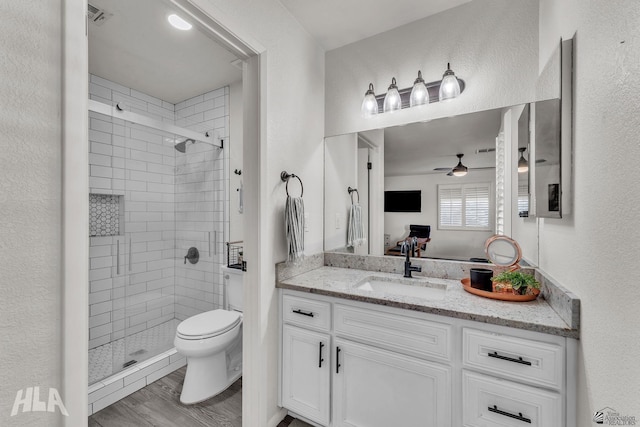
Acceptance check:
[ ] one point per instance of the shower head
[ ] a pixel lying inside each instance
(182, 146)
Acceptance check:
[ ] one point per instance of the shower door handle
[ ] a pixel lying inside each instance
(130, 254)
(117, 257)
(215, 243)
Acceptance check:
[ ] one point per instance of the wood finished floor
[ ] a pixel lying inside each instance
(158, 405)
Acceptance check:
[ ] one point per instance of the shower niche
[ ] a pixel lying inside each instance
(106, 213)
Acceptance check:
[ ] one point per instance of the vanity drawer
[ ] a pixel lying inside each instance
(306, 312)
(535, 362)
(415, 337)
(489, 401)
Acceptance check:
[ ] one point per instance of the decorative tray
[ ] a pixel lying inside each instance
(466, 283)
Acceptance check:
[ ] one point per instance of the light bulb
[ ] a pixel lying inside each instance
(392, 101)
(449, 86)
(179, 23)
(369, 103)
(419, 93)
(460, 172)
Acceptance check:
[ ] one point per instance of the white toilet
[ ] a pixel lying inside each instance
(212, 343)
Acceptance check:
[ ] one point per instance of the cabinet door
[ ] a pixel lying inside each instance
(306, 373)
(378, 388)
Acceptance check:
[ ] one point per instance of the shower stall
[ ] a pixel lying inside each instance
(158, 219)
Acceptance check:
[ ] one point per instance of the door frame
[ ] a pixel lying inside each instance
(75, 197)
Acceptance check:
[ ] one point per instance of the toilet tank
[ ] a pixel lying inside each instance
(233, 278)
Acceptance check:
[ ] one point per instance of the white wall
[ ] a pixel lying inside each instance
(30, 205)
(595, 251)
(456, 244)
(340, 173)
(491, 44)
(292, 72)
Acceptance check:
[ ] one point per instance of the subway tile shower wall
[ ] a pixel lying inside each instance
(172, 201)
(200, 197)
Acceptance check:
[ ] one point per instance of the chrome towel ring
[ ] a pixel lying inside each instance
(351, 191)
(284, 176)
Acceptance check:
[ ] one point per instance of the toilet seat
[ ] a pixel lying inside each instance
(208, 324)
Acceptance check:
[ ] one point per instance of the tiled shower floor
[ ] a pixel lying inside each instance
(139, 346)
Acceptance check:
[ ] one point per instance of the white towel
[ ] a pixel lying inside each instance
(294, 227)
(355, 229)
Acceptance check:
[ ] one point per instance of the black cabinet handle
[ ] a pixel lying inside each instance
(338, 360)
(320, 359)
(518, 417)
(304, 313)
(509, 359)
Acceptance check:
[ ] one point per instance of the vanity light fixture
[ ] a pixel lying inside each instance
(449, 87)
(392, 101)
(178, 22)
(460, 169)
(419, 93)
(370, 103)
(523, 164)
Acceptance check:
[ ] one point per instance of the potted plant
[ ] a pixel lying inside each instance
(517, 282)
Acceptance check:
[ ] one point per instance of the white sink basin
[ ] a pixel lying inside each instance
(416, 288)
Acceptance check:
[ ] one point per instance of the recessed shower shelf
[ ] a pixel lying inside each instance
(105, 214)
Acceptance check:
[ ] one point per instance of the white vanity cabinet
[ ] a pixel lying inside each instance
(379, 368)
(348, 363)
(379, 388)
(306, 364)
(517, 381)
(306, 373)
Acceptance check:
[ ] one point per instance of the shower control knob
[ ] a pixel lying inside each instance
(192, 255)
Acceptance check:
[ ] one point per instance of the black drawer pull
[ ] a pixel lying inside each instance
(509, 359)
(304, 313)
(338, 360)
(518, 417)
(320, 359)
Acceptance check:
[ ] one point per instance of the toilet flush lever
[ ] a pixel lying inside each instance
(192, 255)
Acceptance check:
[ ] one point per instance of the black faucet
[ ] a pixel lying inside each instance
(408, 249)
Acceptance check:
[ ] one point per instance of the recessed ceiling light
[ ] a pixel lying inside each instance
(179, 23)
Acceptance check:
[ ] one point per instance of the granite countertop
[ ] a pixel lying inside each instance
(535, 315)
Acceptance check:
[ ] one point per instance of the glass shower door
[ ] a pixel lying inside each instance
(148, 298)
(199, 204)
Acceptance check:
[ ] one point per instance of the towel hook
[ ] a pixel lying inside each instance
(284, 176)
(351, 191)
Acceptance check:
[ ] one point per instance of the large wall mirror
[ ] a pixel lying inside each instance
(404, 176)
